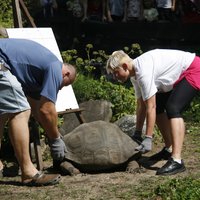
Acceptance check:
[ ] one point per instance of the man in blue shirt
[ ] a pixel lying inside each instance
(30, 77)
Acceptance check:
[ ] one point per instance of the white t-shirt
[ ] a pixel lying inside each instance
(157, 70)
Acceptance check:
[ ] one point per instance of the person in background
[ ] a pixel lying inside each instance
(165, 83)
(49, 7)
(133, 10)
(115, 10)
(166, 9)
(30, 78)
(150, 13)
(94, 10)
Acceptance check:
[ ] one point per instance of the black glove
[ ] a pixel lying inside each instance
(58, 148)
(137, 136)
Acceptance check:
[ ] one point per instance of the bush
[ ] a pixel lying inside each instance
(123, 100)
(6, 17)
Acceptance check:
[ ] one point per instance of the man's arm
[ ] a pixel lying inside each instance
(45, 113)
(48, 118)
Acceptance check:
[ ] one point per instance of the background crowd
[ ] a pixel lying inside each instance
(125, 10)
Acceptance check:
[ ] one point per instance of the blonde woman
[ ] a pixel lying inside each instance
(165, 82)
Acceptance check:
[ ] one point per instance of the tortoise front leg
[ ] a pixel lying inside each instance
(67, 168)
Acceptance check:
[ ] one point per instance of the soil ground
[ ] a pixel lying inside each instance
(106, 186)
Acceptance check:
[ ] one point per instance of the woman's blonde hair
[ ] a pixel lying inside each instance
(114, 60)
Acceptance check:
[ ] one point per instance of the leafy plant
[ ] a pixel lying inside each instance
(6, 17)
(94, 63)
(134, 50)
(86, 88)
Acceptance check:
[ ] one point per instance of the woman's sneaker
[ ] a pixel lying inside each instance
(171, 167)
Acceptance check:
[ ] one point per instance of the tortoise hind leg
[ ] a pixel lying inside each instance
(134, 165)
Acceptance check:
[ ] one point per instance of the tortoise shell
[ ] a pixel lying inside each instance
(99, 144)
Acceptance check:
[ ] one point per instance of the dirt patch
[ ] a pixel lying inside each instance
(106, 186)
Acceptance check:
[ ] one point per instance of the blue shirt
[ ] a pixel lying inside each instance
(37, 69)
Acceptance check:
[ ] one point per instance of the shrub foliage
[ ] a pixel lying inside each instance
(86, 88)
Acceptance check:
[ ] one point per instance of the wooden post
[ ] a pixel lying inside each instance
(17, 17)
(26, 13)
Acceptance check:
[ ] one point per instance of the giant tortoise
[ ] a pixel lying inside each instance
(98, 146)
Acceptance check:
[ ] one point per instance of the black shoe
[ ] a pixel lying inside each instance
(171, 167)
(162, 155)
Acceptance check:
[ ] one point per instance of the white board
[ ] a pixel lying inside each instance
(66, 97)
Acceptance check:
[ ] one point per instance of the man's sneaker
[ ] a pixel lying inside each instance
(162, 155)
(171, 167)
